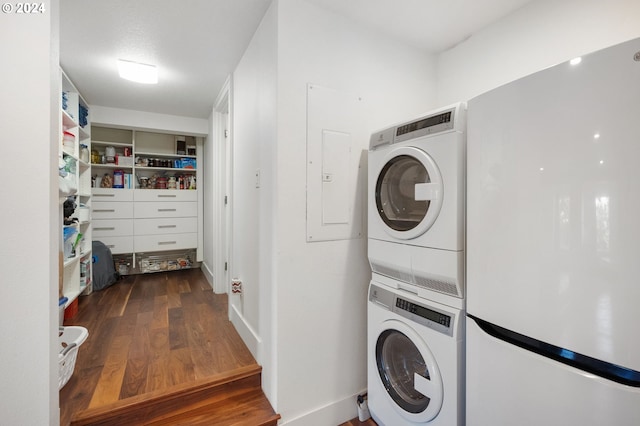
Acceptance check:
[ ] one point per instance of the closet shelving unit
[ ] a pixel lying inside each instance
(76, 186)
(153, 223)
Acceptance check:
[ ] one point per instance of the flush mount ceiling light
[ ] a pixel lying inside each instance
(140, 73)
(575, 61)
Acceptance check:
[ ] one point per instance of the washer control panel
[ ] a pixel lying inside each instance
(427, 315)
(430, 314)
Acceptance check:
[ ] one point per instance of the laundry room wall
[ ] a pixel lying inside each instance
(254, 137)
(321, 287)
(303, 307)
(539, 35)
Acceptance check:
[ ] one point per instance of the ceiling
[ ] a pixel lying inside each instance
(197, 44)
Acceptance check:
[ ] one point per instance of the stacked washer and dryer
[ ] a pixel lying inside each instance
(416, 309)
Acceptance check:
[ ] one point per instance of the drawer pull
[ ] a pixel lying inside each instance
(104, 195)
(166, 226)
(112, 228)
(166, 210)
(167, 195)
(104, 210)
(164, 243)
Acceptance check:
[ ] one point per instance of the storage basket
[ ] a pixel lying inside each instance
(70, 339)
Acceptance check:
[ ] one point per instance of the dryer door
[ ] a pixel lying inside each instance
(408, 192)
(409, 372)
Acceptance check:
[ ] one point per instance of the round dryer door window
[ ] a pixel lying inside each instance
(408, 192)
(409, 372)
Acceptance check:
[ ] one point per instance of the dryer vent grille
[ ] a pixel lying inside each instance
(440, 286)
(392, 273)
(437, 285)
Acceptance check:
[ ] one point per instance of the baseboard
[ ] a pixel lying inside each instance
(335, 413)
(249, 337)
(208, 273)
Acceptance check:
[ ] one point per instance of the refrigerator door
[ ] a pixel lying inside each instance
(553, 225)
(507, 386)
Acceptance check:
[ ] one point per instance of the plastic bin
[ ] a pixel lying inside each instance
(70, 339)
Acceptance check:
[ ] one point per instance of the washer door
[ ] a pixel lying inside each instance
(408, 372)
(409, 192)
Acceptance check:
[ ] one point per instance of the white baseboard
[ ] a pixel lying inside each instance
(249, 337)
(208, 273)
(335, 413)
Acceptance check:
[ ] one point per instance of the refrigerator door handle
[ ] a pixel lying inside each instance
(604, 369)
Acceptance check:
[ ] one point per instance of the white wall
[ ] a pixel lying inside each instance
(254, 148)
(312, 346)
(303, 310)
(142, 120)
(30, 111)
(537, 36)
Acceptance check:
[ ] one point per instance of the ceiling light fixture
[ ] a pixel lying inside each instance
(575, 61)
(140, 73)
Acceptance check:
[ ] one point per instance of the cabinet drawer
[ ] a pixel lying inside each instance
(118, 245)
(165, 195)
(109, 194)
(175, 225)
(165, 209)
(144, 243)
(111, 210)
(112, 227)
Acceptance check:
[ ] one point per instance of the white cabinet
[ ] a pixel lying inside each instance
(112, 210)
(174, 225)
(153, 209)
(154, 243)
(112, 216)
(154, 221)
(74, 190)
(112, 228)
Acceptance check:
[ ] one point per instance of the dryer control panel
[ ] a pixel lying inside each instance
(451, 118)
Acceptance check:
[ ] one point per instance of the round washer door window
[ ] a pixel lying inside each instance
(408, 192)
(408, 372)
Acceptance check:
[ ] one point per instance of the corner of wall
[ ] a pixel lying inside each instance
(246, 332)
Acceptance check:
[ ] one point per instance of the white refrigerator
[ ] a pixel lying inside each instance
(553, 246)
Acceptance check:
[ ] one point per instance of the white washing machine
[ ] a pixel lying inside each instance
(415, 362)
(416, 202)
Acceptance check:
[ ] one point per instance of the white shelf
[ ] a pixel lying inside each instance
(71, 260)
(110, 166)
(114, 144)
(173, 169)
(72, 295)
(83, 165)
(68, 122)
(155, 154)
(69, 118)
(70, 154)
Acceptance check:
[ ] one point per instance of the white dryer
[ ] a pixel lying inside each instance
(416, 202)
(415, 362)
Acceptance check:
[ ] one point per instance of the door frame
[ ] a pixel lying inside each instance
(221, 192)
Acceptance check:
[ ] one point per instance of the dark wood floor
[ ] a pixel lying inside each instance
(357, 422)
(147, 333)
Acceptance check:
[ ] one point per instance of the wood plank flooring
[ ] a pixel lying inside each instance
(357, 422)
(148, 333)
